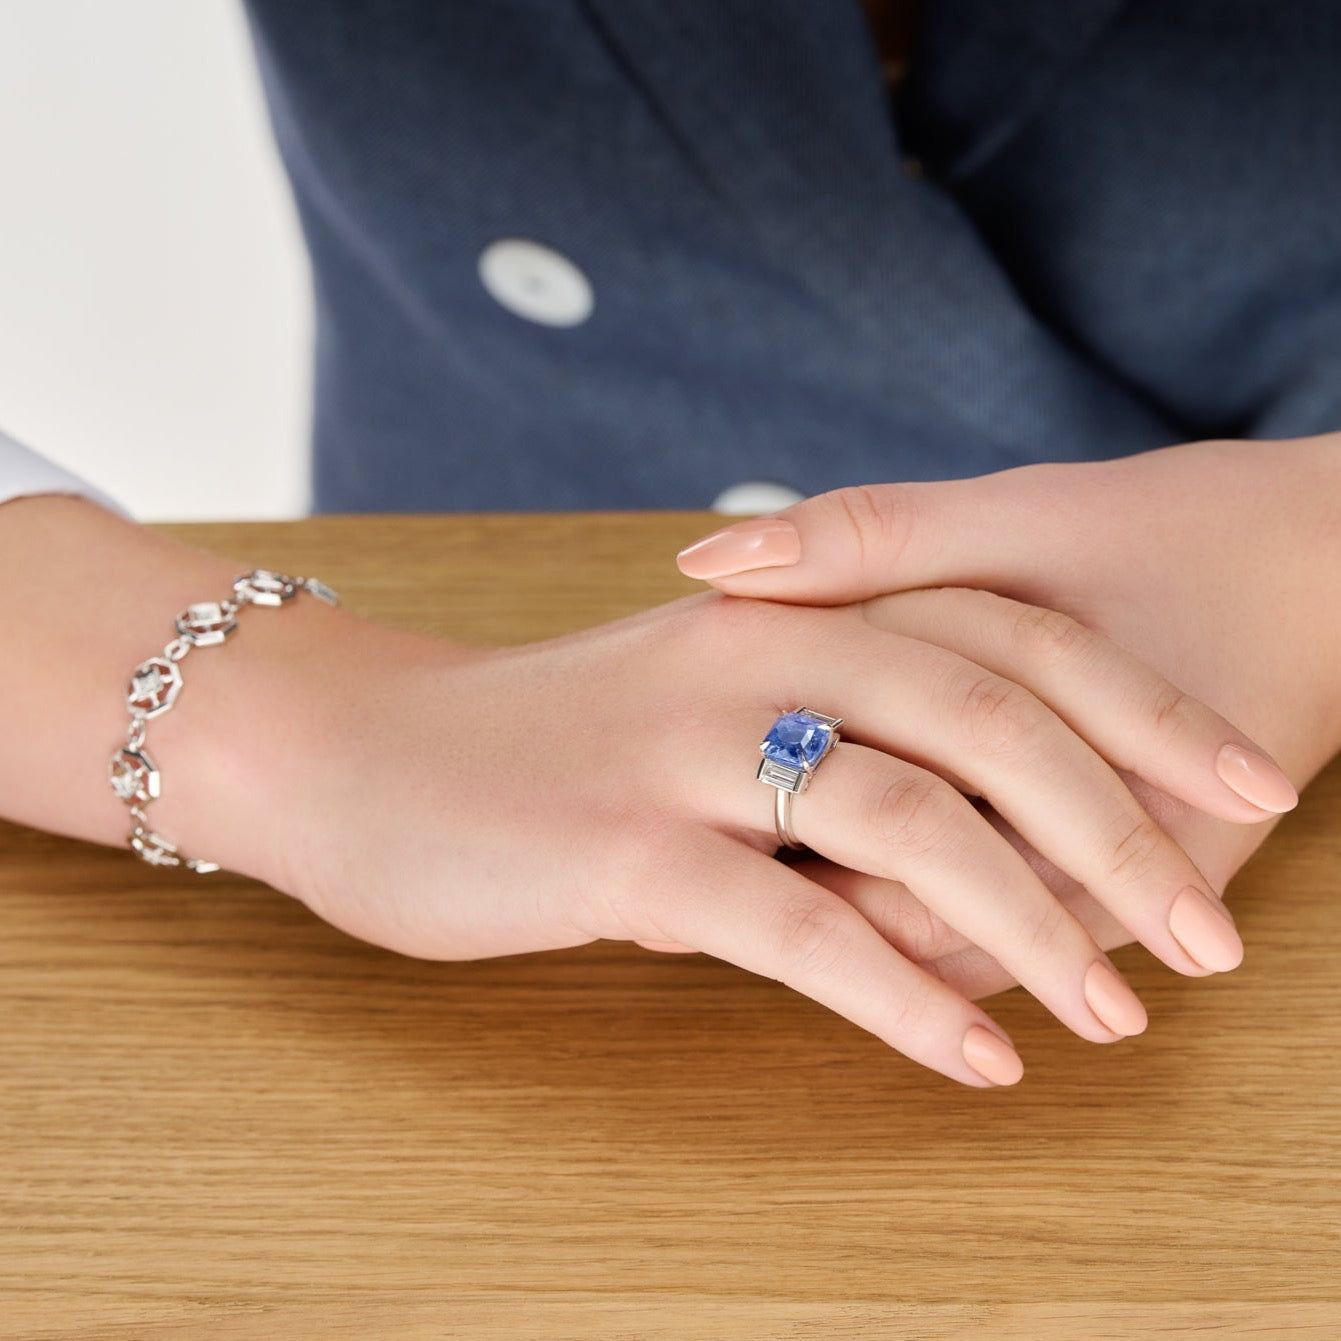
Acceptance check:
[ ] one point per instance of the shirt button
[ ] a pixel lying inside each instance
(755, 496)
(535, 282)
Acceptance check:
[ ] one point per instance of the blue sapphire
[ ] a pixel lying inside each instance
(796, 740)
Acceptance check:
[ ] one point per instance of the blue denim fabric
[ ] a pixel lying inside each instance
(1127, 232)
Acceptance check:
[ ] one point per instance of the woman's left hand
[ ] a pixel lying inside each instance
(1218, 563)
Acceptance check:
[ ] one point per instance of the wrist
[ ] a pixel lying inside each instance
(229, 750)
(96, 597)
(262, 772)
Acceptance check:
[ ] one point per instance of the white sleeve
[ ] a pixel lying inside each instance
(23, 472)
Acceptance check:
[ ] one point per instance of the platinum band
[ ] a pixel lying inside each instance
(782, 819)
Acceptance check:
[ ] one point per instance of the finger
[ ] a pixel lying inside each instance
(1124, 708)
(890, 907)
(941, 710)
(888, 818)
(966, 967)
(919, 935)
(998, 531)
(970, 971)
(853, 543)
(1055, 791)
(866, 541)
(760, 915)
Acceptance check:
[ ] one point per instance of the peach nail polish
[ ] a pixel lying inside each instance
(1255, 778)
(991, 1057)
(1116, 1005)
(769, 542)
(1205, 932)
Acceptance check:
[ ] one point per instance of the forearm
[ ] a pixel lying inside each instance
(88, 597)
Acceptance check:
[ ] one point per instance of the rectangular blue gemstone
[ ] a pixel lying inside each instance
(797, 740)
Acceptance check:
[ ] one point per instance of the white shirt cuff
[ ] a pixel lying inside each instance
(24, 472)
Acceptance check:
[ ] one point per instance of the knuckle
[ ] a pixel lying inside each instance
(813, 938)
(640, 850)
(1171, 711)
(1049, 635)
(916, 813)
(736, 631)
(738, 626)
(908, 1018)
(1133, 855)
(919, 933)
(723, 631)
(713, 619)
(631, 884)
(999, 716)
(971, 973)
(879, 519)
(1046, 930)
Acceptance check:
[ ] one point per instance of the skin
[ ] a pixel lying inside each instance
(1218, 563)
(453, 802)
(970, 832)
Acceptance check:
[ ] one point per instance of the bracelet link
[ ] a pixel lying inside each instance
(262, 587)
(133, 775)
(207, 623)
(135, 731)
(319, 589)
(153, 848)
(155, 684)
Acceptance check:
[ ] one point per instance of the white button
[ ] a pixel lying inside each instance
(755, 496)
(535, 282)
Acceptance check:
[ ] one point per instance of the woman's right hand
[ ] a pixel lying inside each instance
(450, 803)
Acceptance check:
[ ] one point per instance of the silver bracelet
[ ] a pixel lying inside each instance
(153, 689)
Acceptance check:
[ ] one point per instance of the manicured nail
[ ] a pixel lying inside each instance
(1205, 931)
(1116, 1005)
(769, 542)
(1255, 778)
(991, 1057)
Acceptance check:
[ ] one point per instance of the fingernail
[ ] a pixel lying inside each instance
(1205, 931)
(991, 1057)
(1255, 778)
(769, 542)
(1116, 1005)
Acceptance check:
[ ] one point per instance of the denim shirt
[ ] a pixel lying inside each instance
(1085, 228)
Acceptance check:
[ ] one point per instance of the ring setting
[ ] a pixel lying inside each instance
(793, 748)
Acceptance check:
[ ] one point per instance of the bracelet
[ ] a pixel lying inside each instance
(153, 689)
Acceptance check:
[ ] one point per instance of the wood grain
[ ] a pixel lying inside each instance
(222, 1119)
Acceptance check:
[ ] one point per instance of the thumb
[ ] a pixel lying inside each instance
(850, 544)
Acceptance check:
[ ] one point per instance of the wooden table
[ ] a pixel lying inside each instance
(224, 1120)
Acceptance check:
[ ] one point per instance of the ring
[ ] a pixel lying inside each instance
(792, 750)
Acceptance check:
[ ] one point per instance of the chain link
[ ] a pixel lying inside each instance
(136, 781)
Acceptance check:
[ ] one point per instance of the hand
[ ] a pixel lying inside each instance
(1218, 563)
(454, 804)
